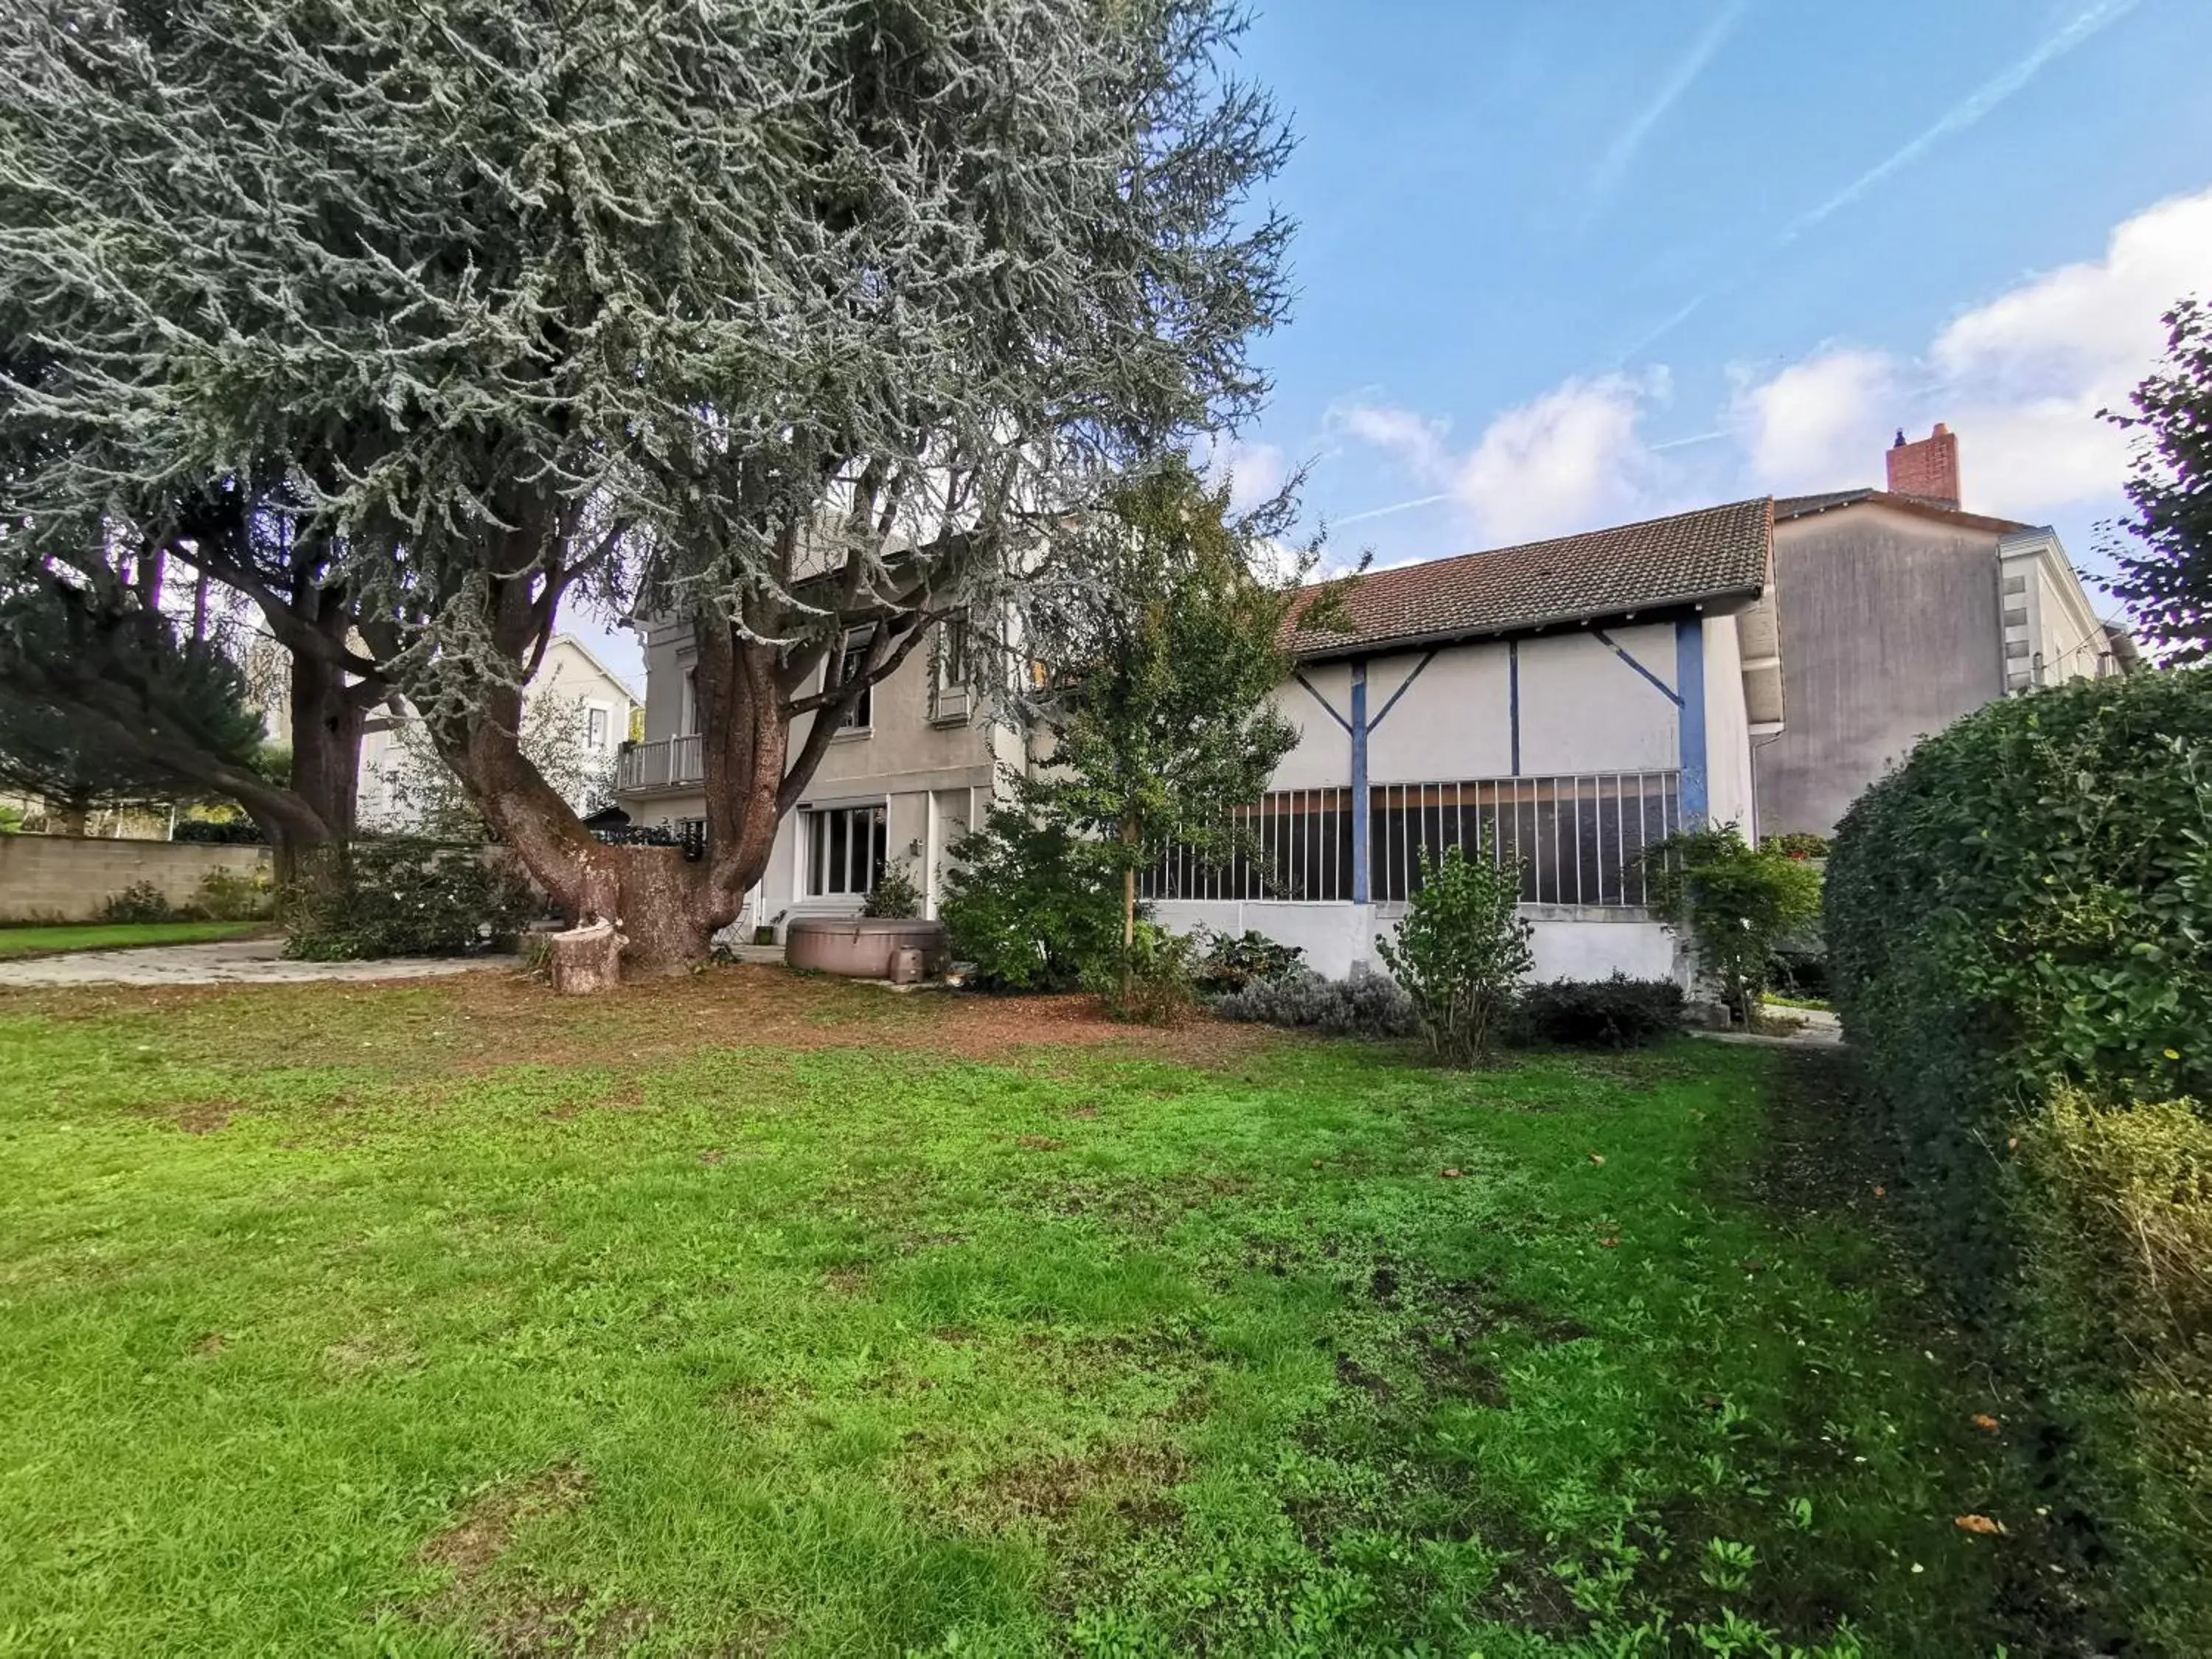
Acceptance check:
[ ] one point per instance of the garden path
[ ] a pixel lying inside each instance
(226, 962)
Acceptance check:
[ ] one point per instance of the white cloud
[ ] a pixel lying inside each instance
(2020, 379)
(1256, 470)
(1798, 427)
(1567, 460)
(1570, 459)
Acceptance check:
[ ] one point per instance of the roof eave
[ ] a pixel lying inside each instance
(1395, 644)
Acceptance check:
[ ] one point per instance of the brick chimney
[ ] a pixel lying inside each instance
(1928, 469)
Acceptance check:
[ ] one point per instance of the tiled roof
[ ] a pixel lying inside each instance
(1715, 552)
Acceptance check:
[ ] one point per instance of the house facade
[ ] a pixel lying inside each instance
(1573, 701)
(1900, 613)
(570, 670)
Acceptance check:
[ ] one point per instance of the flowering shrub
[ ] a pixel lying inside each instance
(403, 897)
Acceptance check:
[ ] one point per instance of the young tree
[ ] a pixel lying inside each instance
(799, 320)
(2165, 574)
(1461, 951)
(1738, 903)
(1159, 706)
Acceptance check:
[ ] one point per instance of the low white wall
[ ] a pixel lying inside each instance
(1568, 941)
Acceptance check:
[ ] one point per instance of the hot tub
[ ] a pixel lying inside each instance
(860, 947)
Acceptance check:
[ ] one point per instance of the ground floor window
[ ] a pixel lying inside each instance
(844, 849)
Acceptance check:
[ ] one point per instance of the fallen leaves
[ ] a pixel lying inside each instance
(1980, 1525)
(1984, 1422)
(1597, 1158)
(1449, 1175)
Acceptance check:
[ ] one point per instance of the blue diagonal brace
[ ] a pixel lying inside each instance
(1299, 675)
(1665, 689)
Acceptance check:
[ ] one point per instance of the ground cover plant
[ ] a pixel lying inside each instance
(744, 1313)
(45, 940)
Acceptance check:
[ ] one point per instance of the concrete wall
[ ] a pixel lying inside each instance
(1889, 625)
(68, 878)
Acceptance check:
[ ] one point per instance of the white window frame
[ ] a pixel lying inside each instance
(860, 720)
(822, 865)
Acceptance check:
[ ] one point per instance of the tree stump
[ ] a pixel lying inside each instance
(586, 958)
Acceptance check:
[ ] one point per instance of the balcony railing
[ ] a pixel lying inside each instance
(667, 765)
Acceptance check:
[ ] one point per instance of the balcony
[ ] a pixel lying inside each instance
(670, 764)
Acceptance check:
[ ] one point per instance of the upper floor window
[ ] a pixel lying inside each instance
(688, 716)
(598, 725)
(861, 715)
(952, 655)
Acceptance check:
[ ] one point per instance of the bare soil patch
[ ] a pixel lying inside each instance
(478, 1021)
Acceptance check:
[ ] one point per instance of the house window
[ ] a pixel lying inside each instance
(844, 849)
(688, 716)
(598, 721)
(861, 714)
(952, 656)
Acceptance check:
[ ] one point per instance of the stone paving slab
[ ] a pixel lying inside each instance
(225, 962)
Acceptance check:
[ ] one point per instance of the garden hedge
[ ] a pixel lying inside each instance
(2020, 942)
(2026, 903)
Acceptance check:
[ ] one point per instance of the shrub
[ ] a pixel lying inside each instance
(1029, 904)
(1234, 961)
(1796, 844)
(2016, 922)
(1158, 988)
(232, 895)
(2116, 1209)
(1739, 904)
(1301, 1000)
(894, 893)
(2024, 905)
(141, 902)
(1619, 1013)
(221, 832)
(1461, 951)
(394, 896)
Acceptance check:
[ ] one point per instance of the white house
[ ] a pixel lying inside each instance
(1580, 698)
(570, 670)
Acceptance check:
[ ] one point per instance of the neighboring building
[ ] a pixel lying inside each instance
(605, 705)
(1900, 613)
(1581, 697)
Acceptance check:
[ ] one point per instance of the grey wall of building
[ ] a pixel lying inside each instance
(1890, 631)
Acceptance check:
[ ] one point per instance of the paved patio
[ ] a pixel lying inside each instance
(226, 961)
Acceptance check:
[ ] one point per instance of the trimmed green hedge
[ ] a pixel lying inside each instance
(2020, 940)
(2026, 903)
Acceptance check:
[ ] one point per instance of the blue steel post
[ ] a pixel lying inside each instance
(1513, 699)
(1690, 687)
(1363, 885)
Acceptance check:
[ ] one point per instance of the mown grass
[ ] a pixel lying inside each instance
(326, 1326)
(117, 936)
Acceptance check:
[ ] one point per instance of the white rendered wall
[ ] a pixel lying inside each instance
(1583, 709)
(1730, 793)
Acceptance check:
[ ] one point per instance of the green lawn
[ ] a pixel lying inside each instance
(117, 936)
(743, 1314)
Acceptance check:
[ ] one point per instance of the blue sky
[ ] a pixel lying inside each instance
(1564, 263)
